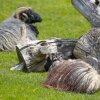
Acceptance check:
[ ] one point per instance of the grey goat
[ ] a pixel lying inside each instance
(10, 33)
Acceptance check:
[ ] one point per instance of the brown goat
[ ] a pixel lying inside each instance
(74, 75)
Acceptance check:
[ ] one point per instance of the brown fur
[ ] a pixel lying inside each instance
(73, 75)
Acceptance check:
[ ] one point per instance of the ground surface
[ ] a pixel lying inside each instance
(61, 20)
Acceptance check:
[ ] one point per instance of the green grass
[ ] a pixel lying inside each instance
(61, 20)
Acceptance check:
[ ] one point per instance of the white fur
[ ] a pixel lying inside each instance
(92, 1)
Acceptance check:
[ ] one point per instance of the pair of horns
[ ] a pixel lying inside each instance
(22, 9)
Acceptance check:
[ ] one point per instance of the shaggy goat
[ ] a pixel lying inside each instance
(83, 74)
(34, 55)
(10, 29)
(75, 75)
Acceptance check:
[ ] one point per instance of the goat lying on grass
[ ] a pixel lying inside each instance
(34, 55)
(75, 75)
(78, 75)
(10, 29)
(82, 74)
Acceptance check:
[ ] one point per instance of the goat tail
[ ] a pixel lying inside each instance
(73, 75)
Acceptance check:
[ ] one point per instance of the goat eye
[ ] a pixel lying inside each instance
(96, 2)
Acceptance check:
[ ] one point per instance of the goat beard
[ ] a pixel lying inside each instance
(73, 75)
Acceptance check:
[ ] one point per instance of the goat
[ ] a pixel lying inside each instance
(10, 29)
(81, 74)
(78, 75)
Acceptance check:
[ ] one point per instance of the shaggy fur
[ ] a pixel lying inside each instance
(10, 29)
(83, 74)
(90, 9)
(74, 75)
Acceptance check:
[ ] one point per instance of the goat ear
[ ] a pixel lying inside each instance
(23, 17)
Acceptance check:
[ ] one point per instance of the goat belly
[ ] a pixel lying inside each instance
(73, 75)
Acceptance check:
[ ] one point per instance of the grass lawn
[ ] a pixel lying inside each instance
(60, 19)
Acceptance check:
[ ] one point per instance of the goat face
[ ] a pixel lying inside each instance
(27, 15)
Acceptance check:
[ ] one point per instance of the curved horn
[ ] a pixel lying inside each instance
(25, 15)
(21, 9)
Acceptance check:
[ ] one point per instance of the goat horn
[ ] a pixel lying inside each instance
(25, 16)
(21, 9)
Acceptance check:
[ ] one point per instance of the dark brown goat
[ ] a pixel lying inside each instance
(74, 75)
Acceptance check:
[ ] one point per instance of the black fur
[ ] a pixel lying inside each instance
(33, 17)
